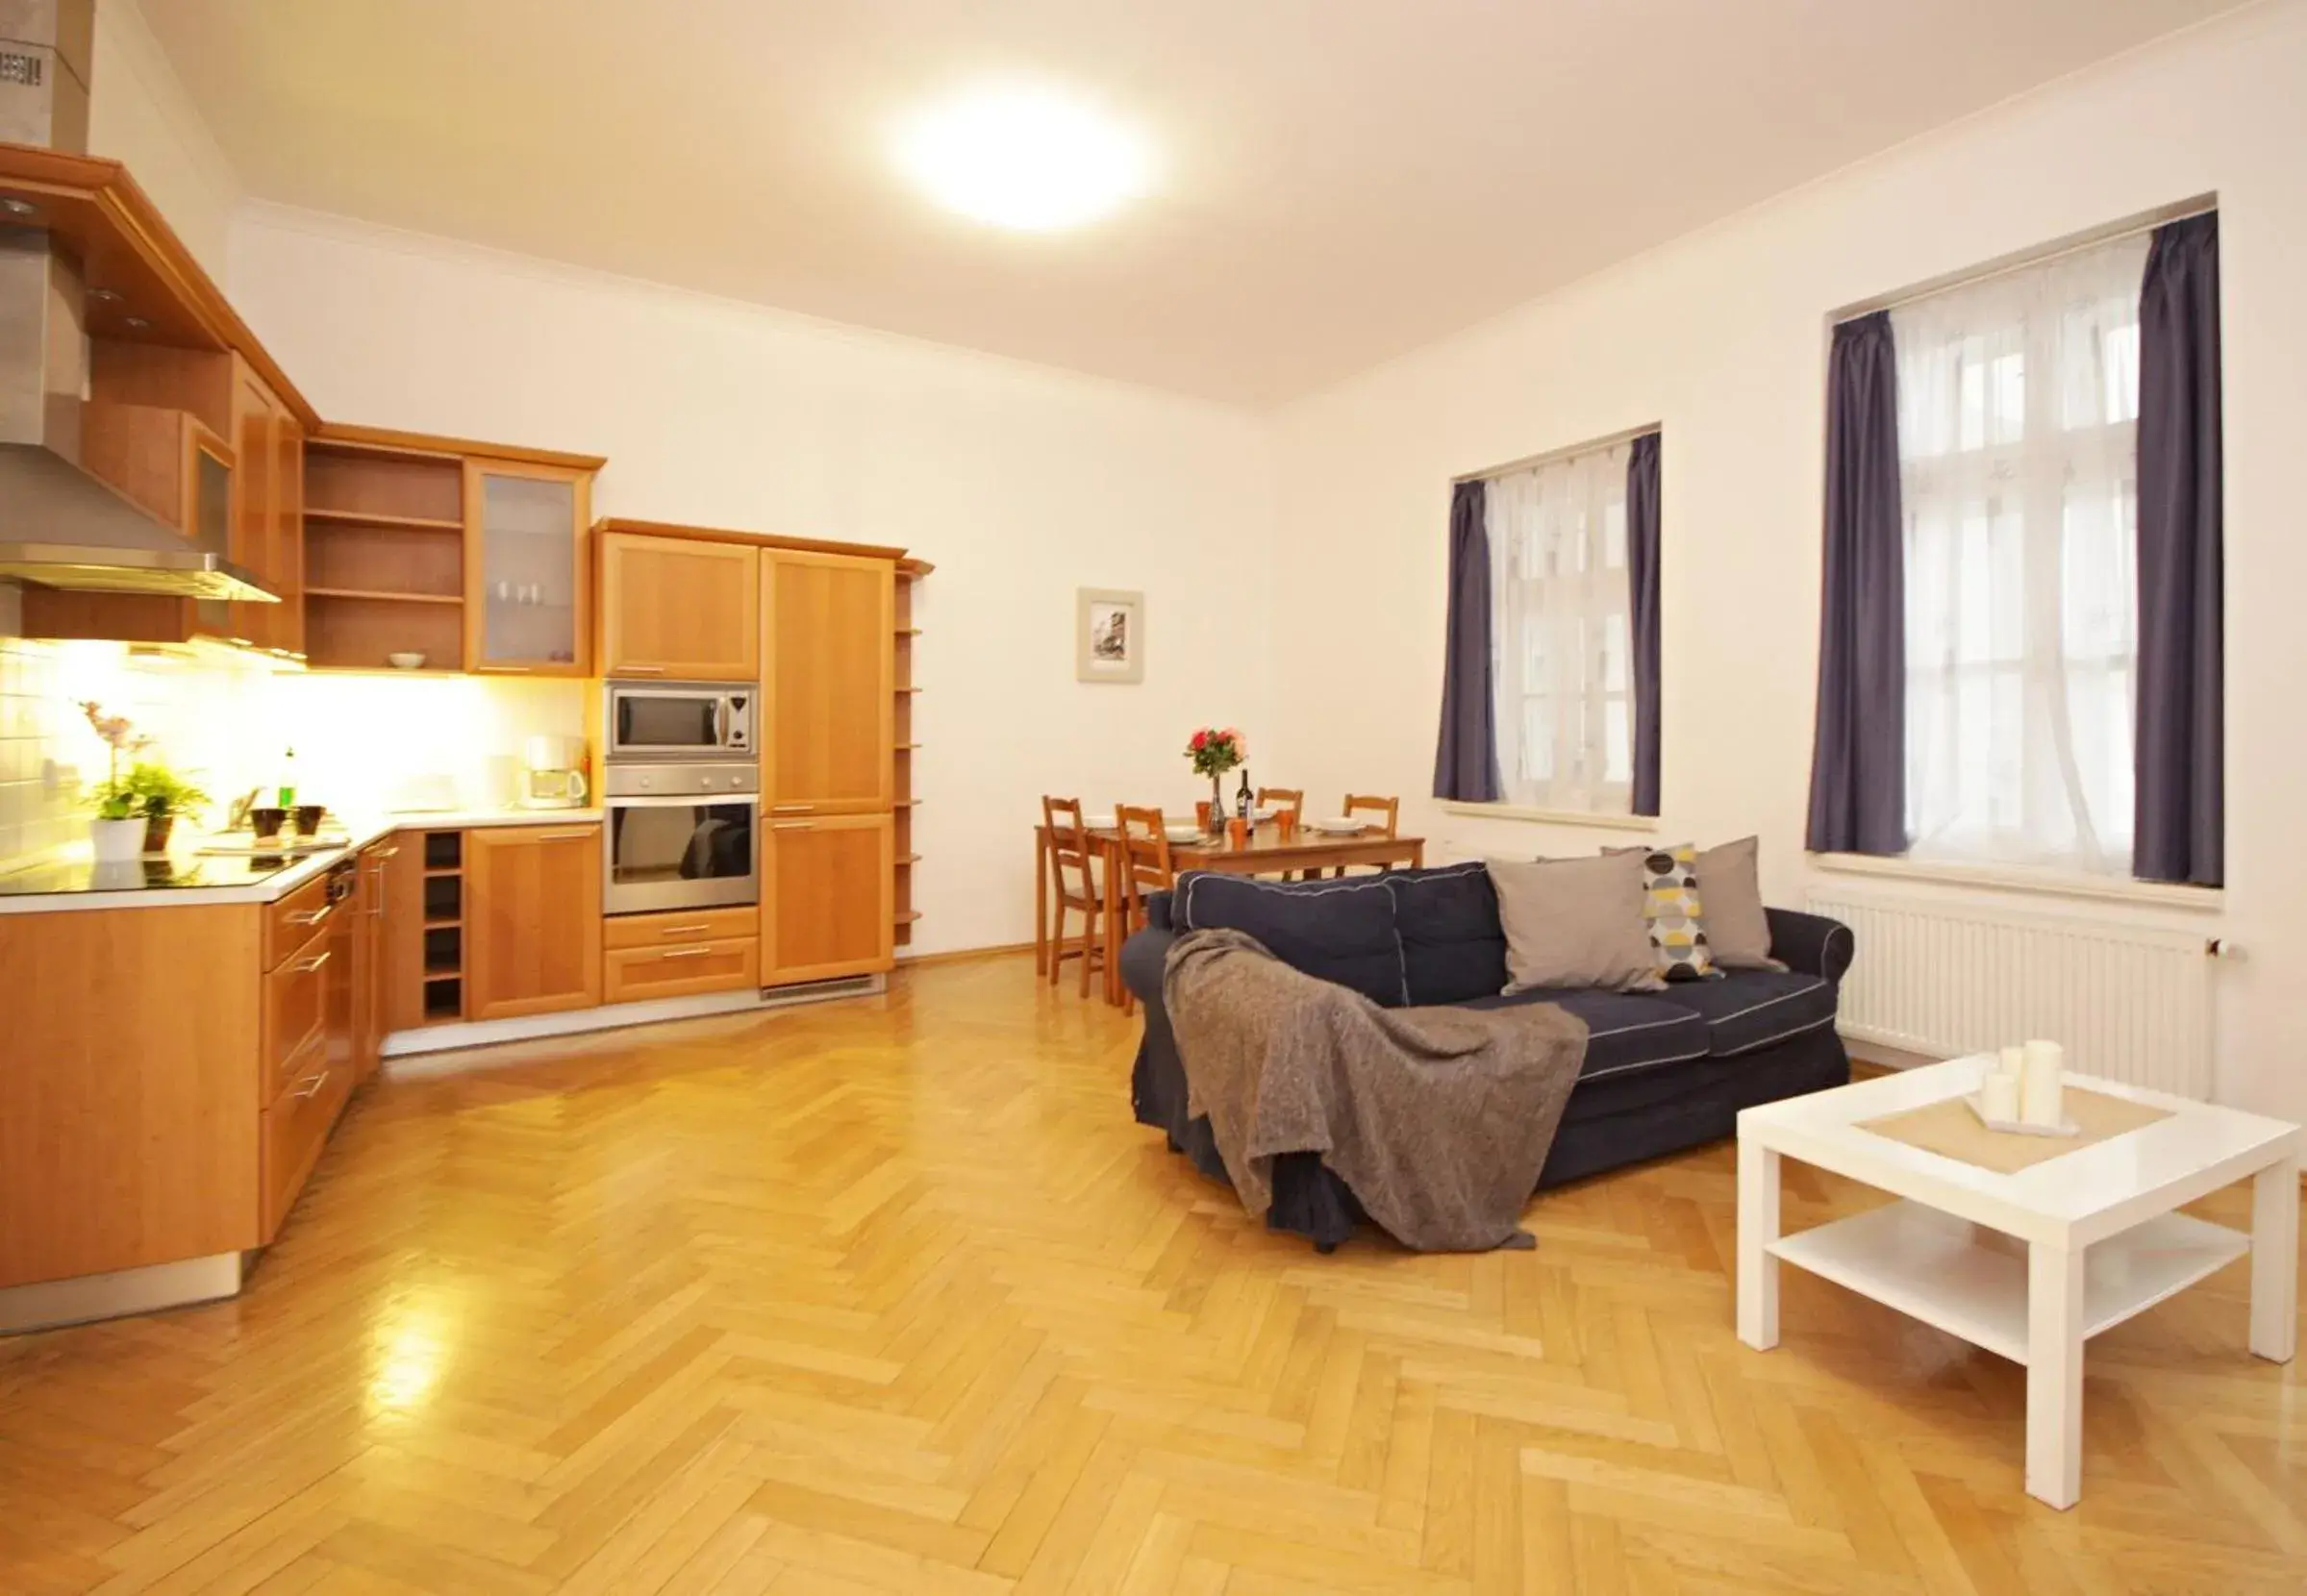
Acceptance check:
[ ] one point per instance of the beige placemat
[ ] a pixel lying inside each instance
(1950, 1129)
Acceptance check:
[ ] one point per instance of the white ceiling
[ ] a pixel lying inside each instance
(1344, 178)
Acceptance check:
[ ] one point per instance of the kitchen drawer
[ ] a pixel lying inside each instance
(292, 920)
(680, 927)
(631, 975)
(295, 1010)
(296, 1127)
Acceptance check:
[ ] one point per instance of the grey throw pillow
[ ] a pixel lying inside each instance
(1576, 922)
(1730, 884)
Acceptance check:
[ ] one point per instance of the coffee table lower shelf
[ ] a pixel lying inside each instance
(1971, 1281)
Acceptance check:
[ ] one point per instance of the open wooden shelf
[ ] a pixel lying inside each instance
(383, 597)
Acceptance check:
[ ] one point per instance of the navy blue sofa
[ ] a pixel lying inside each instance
(1663, 1071)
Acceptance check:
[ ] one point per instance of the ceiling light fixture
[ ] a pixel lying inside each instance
(1024, 158)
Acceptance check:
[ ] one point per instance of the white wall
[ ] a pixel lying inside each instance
(1722, 335)
(138, 112)
(1020, 483)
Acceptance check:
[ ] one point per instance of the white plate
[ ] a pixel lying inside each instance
(1184, 833)
(1336, 824)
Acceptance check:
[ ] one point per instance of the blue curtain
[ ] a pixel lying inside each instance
(1858, 758)
(1465, 754)
(2180, 818)
(1641, 571)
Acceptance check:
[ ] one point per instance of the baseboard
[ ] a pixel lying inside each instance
(963, 956)
(573, 1022)
(48, 1304)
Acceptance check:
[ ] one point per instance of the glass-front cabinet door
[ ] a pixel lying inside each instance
(528, 601)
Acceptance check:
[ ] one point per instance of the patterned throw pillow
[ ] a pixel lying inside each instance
(1674, 914)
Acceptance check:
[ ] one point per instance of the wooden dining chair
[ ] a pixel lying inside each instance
(1364, 804)
(1074, 867)
(1390, 807)
(1144, 866)
(1291, 798)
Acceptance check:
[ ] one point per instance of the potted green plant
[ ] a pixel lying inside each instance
(161, 795)
(116, 834)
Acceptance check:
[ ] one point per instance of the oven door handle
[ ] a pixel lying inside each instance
(686, 801)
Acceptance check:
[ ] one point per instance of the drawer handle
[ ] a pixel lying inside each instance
(685, 953)
(641, 670)
(566, 837)
(306, 966)
(311, 917)
(792, 825)
(313, 1090)
(683, 931)
(793, 808)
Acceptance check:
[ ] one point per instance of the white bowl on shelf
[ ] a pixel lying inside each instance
(404, 660)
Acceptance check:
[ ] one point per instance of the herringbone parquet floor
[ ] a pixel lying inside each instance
(894, 1297)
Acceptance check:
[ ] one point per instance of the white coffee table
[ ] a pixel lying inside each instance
(2093, 1234)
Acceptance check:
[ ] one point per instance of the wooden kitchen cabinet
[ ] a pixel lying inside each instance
(129, 1088)
(267, 532)
(400, 933)
(826, 891)
(827, 684)
(528, 583)
(371, 991)
(532, 920)
(679, 608)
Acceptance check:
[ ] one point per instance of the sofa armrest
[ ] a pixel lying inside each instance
(1144, 958)
(1811, 943)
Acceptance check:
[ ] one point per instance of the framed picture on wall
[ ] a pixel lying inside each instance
(1109, 631)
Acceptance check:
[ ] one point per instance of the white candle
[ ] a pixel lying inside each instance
(2011, 1062)
(2040, 1101)
(1999, 1096)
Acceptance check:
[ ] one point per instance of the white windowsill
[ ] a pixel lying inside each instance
(1553, 818)
(2012, 877)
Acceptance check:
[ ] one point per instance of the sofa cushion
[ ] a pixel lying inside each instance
(1751, 1009)
(1576, 922)
(1341, 931)
(1452, 946)
(1624, 1033)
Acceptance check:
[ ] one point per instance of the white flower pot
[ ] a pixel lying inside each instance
(116, 841)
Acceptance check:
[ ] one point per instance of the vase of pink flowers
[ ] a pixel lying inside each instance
(116, 832)
(1215, 750)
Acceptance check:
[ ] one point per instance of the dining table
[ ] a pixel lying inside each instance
(1270, 849)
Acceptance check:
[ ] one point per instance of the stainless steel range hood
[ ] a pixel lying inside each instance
(61, 527)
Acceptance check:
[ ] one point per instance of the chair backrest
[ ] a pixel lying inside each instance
(1144, 856)
(1390, 807)
(1069, 847)
(1291, 798)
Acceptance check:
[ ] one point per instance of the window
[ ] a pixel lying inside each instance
(1561, 632)
(2017, 421)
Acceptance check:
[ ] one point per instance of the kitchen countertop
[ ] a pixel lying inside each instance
(232, 879)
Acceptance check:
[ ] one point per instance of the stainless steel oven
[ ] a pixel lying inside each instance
(681, 837)
(665, 722)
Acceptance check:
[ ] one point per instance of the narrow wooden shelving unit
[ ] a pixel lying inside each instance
(443, 927)
(909, 573)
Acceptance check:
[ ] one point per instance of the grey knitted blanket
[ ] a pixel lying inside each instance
(1437, 1119)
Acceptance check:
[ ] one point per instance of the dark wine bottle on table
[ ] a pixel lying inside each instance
(1241, 798)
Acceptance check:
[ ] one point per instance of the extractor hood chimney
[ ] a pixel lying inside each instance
(61, 527)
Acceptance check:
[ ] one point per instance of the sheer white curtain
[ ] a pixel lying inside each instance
(1560, 628)
(2017, 418)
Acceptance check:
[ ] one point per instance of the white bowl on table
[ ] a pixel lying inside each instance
(1188, 833)
(1336, 824)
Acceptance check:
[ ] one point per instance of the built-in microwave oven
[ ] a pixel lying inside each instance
(663, 722)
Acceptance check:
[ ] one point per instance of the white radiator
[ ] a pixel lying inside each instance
(2132, 1004)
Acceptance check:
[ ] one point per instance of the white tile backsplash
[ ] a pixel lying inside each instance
(225, 720)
